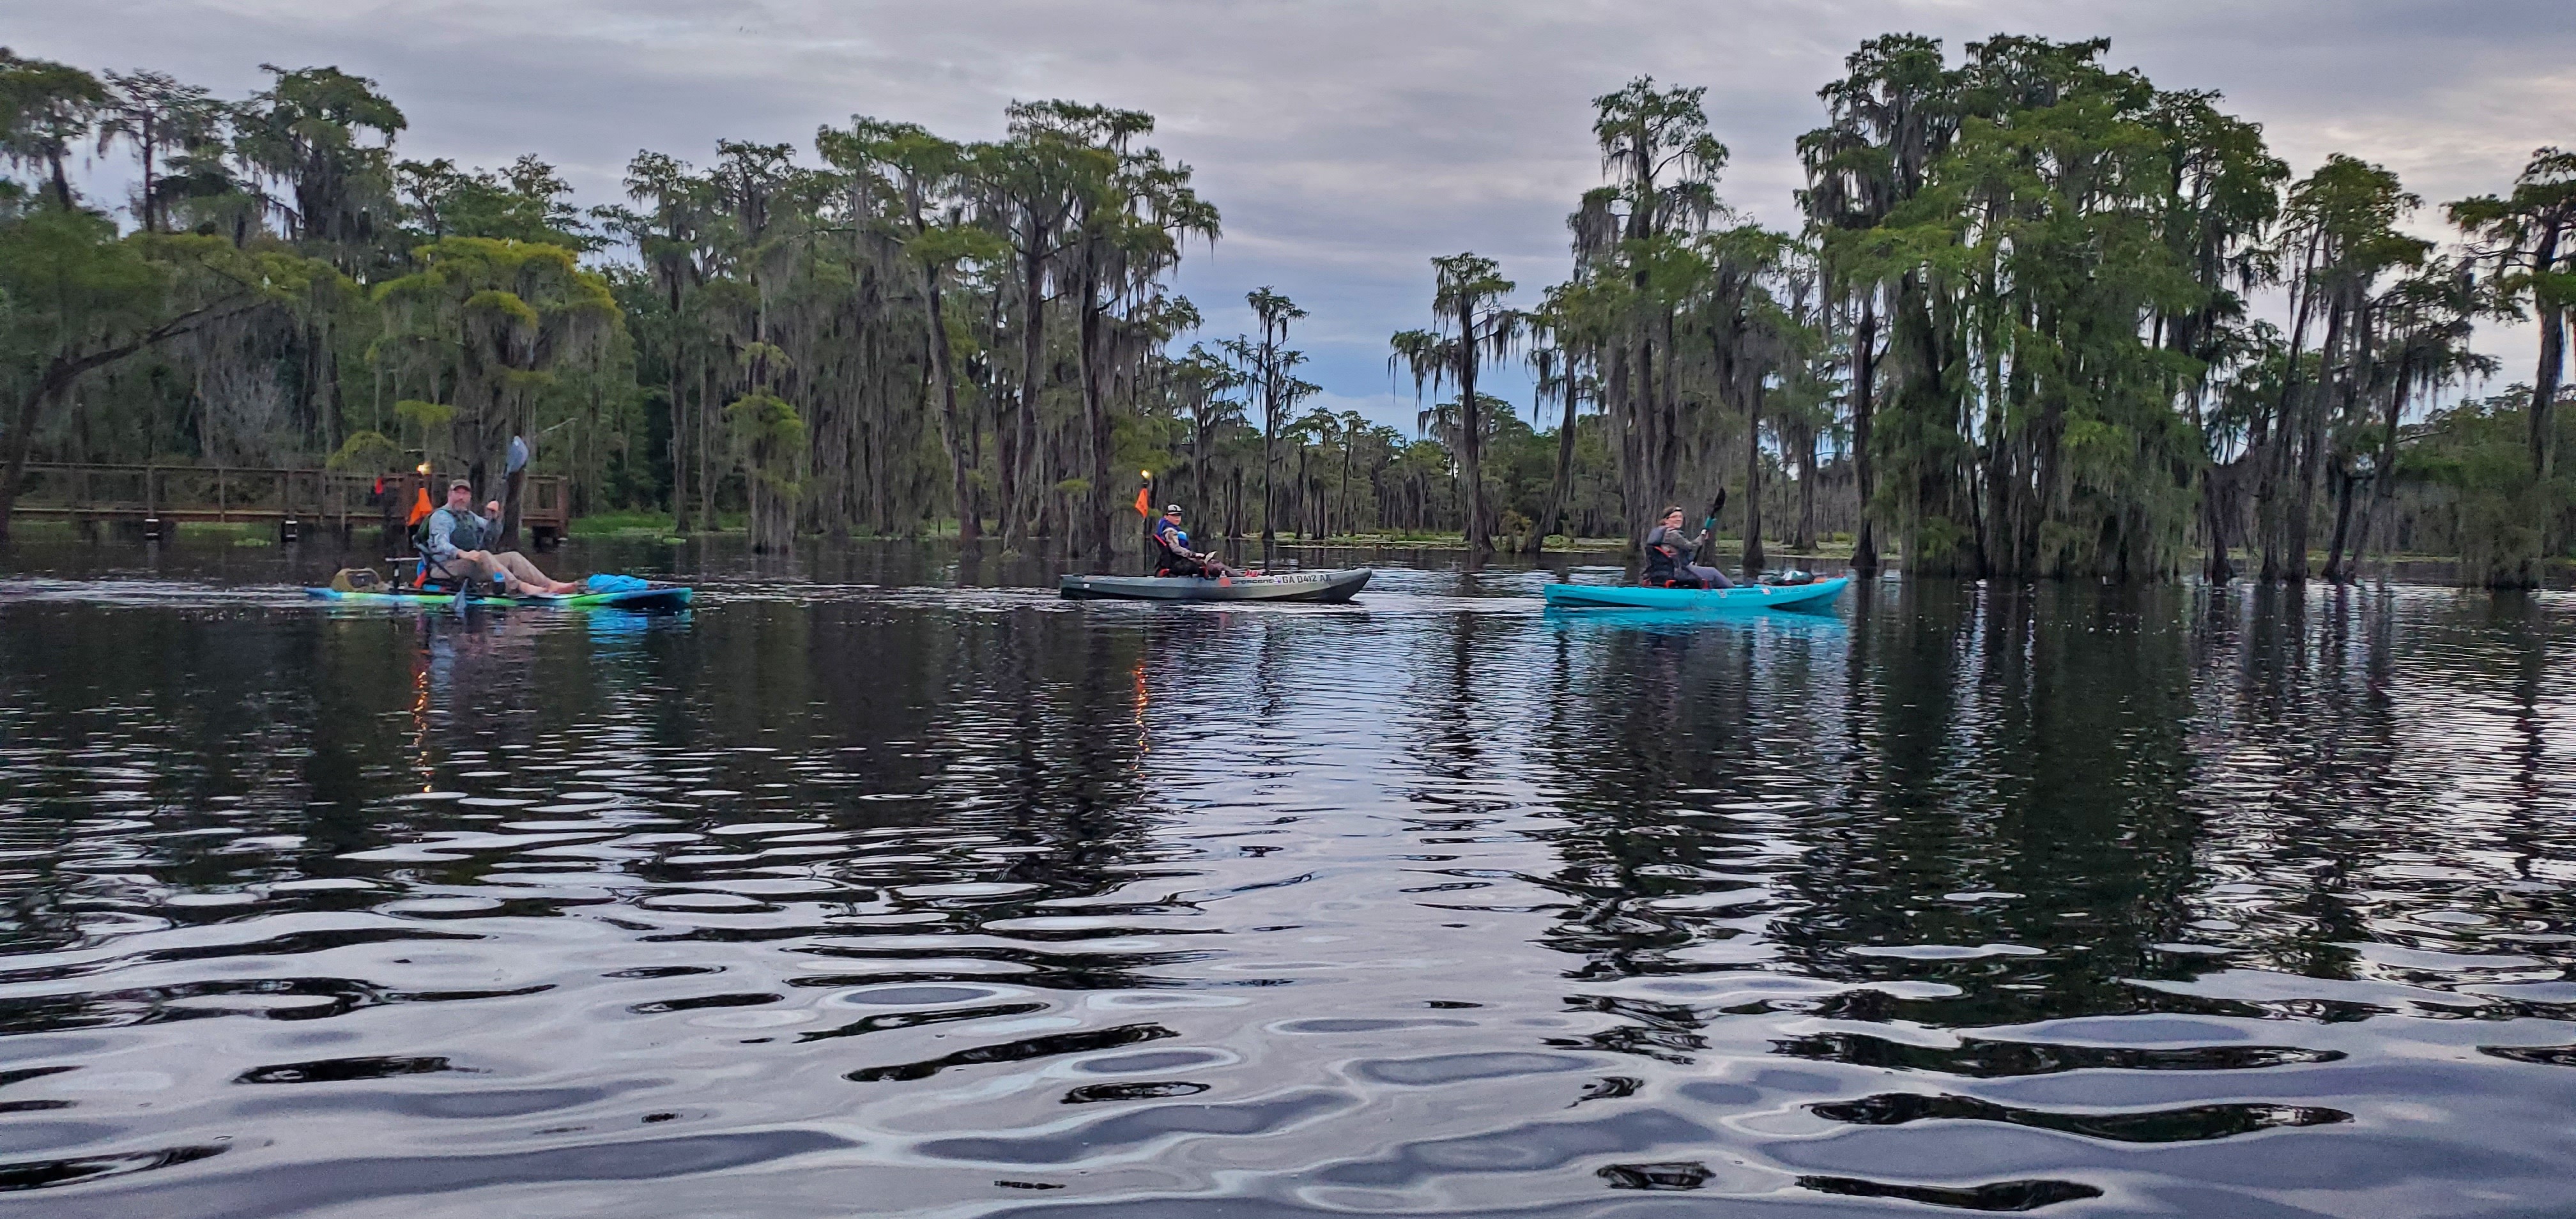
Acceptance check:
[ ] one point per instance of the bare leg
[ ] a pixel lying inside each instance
(525, 573)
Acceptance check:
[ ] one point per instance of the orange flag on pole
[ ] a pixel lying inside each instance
(419, 508)
(1145, 500)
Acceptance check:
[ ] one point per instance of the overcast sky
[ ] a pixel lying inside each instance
(1346, 142)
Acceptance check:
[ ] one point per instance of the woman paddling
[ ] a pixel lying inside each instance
(1668, 552)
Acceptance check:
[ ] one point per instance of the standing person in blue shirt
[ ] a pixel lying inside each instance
(456, 548)
(1175, 557)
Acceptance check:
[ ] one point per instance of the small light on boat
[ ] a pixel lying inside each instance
(422, 468)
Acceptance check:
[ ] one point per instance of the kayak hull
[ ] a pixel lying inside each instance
(658, 597)
(1325, 586)
(1743, 599)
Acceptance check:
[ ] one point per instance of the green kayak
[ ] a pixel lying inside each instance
(654, 597)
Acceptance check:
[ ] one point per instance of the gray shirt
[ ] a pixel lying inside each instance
(1683, 544)
(444, 543)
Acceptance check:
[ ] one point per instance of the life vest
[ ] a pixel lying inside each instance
(465, 531)
(1663, 564)
(1173, 541)
(1177, 559)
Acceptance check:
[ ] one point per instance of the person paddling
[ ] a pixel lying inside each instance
(456, 548)
(1668, 554)
(1176, 557)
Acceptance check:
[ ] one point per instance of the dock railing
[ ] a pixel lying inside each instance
(161, 495)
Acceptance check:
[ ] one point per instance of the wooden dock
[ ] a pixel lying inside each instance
(159, 497)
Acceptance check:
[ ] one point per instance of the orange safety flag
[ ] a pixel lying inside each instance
(419, 508)
(1145, 500)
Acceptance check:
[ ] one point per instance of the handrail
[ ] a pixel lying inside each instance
(282, 491)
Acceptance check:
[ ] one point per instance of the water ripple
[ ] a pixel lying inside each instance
(882, 890)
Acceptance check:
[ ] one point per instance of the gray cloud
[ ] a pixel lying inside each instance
(1346, 141)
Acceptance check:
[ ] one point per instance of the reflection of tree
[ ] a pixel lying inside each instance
(1745, 798)
(1654, 728)
(2032, 755)
(977, 749)
(2371, 757)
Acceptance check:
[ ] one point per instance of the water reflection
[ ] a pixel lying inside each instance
(856, 891)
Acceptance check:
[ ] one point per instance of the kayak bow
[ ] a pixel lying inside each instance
(1749, 597)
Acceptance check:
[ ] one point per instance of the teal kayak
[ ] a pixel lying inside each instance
(655, 597)
(1749, 597)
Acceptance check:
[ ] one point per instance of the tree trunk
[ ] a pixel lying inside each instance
(706, 448)
(2553, 358)
(2383, 481)
(1806, 539)
(22, 439)
(1269, 438)
(1346, 483)
(2312, 461)
(1753, 558)
(1021, 435)
(951, 425)
(1471, 432)
(2218, 518)
(2342, 481)
(1864, 558)
(2267, 489)
(679, 425)
(1095, 420)
(1994, 526)
(512, 484)
(1622, 408)
(1560, 484)
(1653, 484)
(151, 208)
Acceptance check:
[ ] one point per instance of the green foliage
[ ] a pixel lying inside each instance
(2013, 338)
(366, 451)
(497, 320)
(527, 202)
(2500, 520)
(46, 109)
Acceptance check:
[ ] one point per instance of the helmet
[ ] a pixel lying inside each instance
(1171, 509)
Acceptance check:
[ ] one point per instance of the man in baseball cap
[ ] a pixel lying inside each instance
(1177, 559)
(455, 549)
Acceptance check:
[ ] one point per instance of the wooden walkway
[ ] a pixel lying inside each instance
(158, 497)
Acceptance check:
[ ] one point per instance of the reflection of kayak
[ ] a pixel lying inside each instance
(1285, 586)
(1748, 597)
(654, 597)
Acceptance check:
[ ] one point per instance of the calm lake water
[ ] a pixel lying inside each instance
(858, 892)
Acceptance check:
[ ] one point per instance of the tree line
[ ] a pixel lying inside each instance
(2016, 333)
